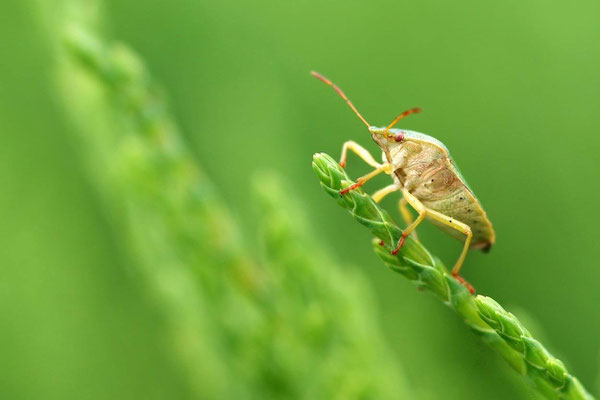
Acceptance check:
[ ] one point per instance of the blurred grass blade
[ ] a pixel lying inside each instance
(321, 300)
(239, 326)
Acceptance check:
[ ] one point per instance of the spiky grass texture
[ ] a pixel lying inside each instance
(497, 327)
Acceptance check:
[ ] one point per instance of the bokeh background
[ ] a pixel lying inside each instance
(512, 88)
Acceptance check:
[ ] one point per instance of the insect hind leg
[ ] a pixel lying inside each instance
(444, 219)
(466, 230)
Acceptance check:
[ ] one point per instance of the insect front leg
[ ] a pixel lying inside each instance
(361, 181)
(359, 151)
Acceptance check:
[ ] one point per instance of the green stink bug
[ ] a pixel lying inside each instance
(423, 170)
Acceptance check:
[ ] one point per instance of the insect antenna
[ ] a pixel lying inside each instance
(342, 95)
(399, 117)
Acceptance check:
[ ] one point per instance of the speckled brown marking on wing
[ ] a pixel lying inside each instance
(426, 169)
(452, 197)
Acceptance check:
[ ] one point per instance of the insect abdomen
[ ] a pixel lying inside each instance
(462, 206)
(441, 189)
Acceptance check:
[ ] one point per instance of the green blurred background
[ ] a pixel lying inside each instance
(512, 88)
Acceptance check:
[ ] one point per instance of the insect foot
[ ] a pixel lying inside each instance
(463, 282)
(399, 245)
(351, 187)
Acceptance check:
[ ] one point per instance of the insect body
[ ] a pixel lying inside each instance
(423, 170)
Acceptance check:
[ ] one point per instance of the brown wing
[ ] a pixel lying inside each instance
(440, 188)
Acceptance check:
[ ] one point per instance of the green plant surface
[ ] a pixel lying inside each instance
(497, 327)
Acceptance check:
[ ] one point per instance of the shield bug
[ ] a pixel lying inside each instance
(423, 170)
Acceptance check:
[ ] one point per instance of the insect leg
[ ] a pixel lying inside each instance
(381, 193)
(361, 181)
(421, 209)
(359, 151)
(444, 219)
(461, 227)
(406, 215)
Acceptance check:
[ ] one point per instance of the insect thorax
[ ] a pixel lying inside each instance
(413, 161)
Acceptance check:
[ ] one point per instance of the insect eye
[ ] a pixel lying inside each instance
(398, 137)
